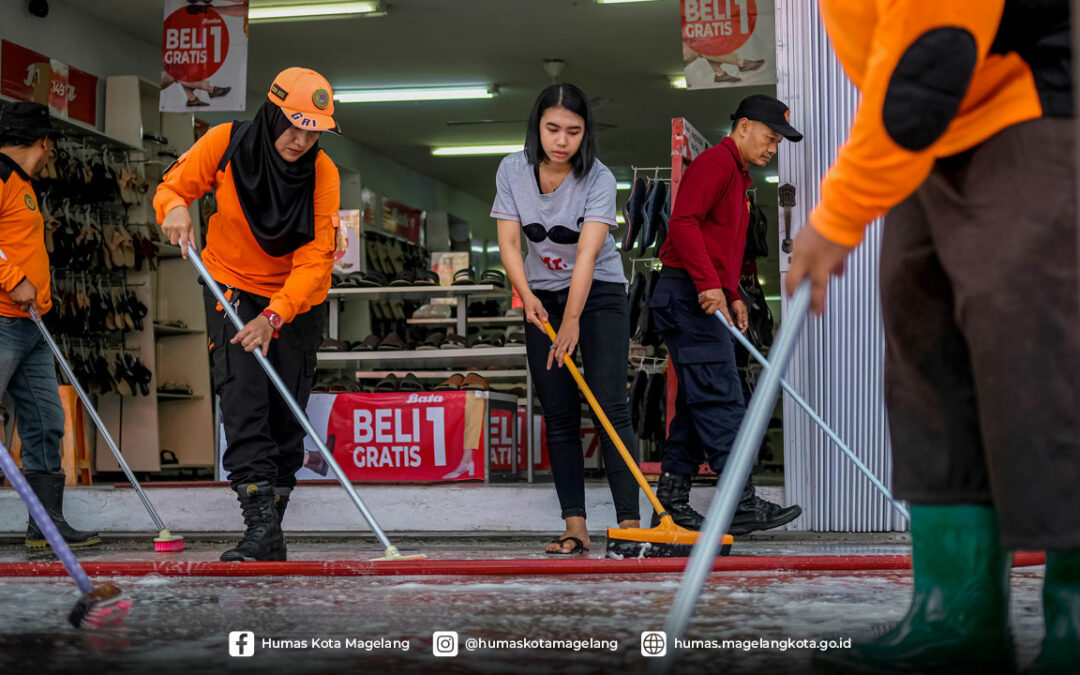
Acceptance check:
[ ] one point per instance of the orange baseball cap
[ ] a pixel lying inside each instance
(306, 98)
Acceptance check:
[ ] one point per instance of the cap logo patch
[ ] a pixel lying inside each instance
(321, 99)
(29, 202)
(276, 90)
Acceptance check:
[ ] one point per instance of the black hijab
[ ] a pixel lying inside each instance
(277, 197)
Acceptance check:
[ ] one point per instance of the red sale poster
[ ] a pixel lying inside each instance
(203, 56)
(412, 437)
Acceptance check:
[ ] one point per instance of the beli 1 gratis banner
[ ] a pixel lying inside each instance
(728, 43)
(402, 437)
(203, 55)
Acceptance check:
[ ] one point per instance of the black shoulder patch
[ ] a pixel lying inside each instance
(5, 172)
(928, 85)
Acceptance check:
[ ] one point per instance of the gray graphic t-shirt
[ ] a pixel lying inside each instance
(552, 222)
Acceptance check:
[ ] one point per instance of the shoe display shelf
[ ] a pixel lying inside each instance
(508, 362)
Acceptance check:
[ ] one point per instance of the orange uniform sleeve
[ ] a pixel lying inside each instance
(194, 174)
(11, 275)
(313, 262)
(922, 58)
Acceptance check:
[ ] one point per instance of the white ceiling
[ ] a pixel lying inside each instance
(623, 54)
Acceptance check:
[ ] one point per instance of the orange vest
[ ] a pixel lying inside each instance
(22, 240)
(295, 282)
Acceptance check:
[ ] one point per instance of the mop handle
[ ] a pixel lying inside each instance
(44, 522)
(193, 255)
(606, 423)
(814, 416)
(94, 415)
(737, 470)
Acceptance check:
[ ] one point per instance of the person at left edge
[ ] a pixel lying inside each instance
(27, 371)
(270, 245)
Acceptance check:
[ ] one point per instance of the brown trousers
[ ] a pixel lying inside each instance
(982, 324)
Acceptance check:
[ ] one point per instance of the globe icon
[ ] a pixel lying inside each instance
(653, 643)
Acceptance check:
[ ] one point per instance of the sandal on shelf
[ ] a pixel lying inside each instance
(410, 383)
(426, 278)
(168, 457)
(494, 277)
(452, 383)
(464, 277)
(433, 341)
(373, 279)
(453, 341)
(388, 384)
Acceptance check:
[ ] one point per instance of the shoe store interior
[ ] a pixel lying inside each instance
(429, 98)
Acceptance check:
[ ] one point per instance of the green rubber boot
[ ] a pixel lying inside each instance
(1061, 608)
(959, 615)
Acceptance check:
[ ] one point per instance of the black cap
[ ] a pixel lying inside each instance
(26, 120)
(770, 112)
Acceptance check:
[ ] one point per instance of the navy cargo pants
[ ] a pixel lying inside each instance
(709, 406)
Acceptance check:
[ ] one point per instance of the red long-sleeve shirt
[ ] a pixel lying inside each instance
(707, 230)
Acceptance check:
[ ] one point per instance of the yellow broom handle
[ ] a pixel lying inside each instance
(606, 423)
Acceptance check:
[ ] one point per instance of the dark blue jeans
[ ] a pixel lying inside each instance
(709, 406)
(28, 373)
(604, 344)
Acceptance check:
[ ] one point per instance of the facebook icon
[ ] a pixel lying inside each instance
(241, 643)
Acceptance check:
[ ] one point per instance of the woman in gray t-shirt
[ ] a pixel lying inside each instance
(563, 199)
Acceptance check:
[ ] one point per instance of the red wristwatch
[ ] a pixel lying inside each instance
(274, 318)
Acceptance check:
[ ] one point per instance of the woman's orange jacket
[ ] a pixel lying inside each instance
(295, 282)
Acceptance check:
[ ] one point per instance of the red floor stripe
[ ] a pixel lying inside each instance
(363, 568)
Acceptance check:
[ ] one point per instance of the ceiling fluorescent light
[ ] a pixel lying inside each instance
(678, 82)
(316, 10)
(623, 185)
(772, 179)
(414, 94)
(476, 150)
(620, 220)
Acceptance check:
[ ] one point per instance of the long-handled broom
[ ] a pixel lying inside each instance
(391, 551)
(165, 542)
(865, 470)
(105, 605)
(666, 540)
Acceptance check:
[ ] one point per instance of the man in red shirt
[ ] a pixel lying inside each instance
(702, 256)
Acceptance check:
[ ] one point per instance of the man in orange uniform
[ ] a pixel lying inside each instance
(271, 245)
(27, 371)
(964, 136)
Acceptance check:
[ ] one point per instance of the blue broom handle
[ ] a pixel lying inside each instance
(193, 255)
(44, 522)
(817, 418)
(97, 419)
(733, 478)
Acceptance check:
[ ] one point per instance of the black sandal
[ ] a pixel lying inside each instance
(426, 278)
(493, 277)
(464, 277)
(579, 546)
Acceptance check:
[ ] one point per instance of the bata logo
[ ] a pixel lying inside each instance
(424, 398)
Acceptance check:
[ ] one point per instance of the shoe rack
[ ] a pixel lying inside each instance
(507, 362)
(173, 342)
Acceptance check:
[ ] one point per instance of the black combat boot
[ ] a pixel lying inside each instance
(281, 501)
(673, 491)
(754, 513)
(49, 489)
(262, 539)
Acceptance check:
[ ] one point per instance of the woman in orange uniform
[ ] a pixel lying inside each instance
(270, 245)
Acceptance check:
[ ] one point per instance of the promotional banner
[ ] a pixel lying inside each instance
(347, 250)
(26, 75)
(203, 56)
(402, 221)
(397, 437)
(728, 43)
